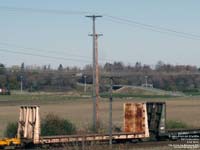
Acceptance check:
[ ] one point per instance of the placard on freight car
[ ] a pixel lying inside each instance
(135, 118)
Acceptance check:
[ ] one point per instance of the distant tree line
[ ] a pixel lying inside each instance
(163, 76)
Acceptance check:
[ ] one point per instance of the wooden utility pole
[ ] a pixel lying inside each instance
(110, 112)
(95, 89)
(97, 80)
(85, 83)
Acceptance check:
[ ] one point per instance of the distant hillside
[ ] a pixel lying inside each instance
(137, 90)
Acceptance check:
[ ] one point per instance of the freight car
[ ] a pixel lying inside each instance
(156, 112)
(10, 142)
(142, 122)
(29, 128)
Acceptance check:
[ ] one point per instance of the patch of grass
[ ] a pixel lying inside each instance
(118, 95)
(101, 128)
(172, 124)
(192, 92)
(38, 99)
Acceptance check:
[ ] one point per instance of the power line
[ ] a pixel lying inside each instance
(37, 10)
(51, 51)
(44, 56)
(115, 19)
(152, 27)
(41, 50)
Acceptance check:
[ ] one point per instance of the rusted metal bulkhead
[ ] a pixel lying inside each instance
(135, 118)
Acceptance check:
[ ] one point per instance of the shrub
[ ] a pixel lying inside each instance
(172, 124)
(54, 125)
(51, 125)
(11, 130)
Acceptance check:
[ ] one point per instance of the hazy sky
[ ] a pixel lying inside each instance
(65, 36)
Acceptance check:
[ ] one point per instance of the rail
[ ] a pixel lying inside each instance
(89, 138)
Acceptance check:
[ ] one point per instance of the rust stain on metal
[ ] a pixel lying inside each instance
(128, 115)
(139, 120)
(134, 117)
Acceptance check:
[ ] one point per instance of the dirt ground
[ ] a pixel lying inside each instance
(186, 110)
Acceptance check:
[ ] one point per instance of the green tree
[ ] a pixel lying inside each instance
(2, 69)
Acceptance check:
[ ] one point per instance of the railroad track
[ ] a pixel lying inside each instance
(126, 145)
(100, 139)
(161, 143)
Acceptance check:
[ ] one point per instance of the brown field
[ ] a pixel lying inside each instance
(79, 111)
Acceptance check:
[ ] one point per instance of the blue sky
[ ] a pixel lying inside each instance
(67, 35)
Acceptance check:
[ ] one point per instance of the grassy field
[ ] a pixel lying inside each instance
(78, 108)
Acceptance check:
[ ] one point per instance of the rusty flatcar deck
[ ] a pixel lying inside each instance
(89, 138)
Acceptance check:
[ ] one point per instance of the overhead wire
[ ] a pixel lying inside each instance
(38, 10)
(168, 32)
(107, 17)
(114, 18)
(44, 56)
(41, 50)
(53, 57)
(53, 52)
(152, 26)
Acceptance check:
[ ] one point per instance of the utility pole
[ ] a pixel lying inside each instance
(110, 113)
(95, 89)
(85, 83)
(7, 84)
(22, 76)
(97, 80)
(146, 81)
(21, 83)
